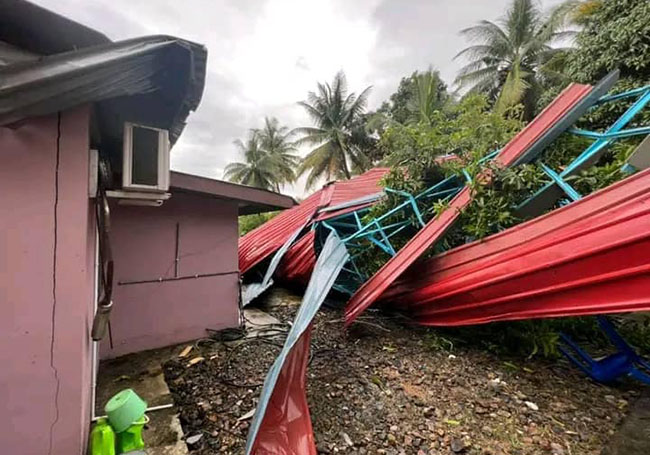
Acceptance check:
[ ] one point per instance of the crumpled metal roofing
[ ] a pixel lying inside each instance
(550, 123)
(121, 70)
(589, 257)
(281, 424)
(260, 243)
(363, 185)
(253, 290)
(298, 263)
(264, 240)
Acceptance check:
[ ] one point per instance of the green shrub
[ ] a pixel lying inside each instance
(249, 222)
(540, 338)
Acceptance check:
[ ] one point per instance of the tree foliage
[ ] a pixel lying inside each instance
(417, 97)
(468, 129)
(249, 222)
(509, 61)
(616, 34)
(274, 140)
(258, 167)
(335, 134)
(269, 158)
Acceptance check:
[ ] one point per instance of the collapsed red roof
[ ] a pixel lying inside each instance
(513, 152)
(589, 257)
(260, 243)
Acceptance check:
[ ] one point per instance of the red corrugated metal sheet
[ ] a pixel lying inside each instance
(427, 236)
(363, 185)
(260, 243)
(349, 190)
(480, 253)
(286, 428)
(298, 263)
(590, 257)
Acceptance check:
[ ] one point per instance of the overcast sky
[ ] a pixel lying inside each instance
(265, 55)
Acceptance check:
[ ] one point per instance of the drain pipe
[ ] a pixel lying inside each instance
(105, 304)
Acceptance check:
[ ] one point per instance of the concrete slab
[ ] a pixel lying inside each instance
(143, 373)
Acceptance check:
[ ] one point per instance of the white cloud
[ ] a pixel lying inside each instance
(265, 55)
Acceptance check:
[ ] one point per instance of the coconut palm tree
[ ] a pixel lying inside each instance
(258, 168)
(508, 60)
(429, 95)
(334, 112)
(275, 140)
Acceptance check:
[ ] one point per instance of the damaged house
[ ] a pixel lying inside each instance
(94, 224)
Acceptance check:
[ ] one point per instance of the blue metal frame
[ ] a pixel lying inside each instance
(358, 236)
(625, 362)
(601, 142)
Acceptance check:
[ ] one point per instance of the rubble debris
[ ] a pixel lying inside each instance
(343, 398)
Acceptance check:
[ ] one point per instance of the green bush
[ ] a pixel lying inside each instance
(540, 338)
(249, 222)
(616, 34)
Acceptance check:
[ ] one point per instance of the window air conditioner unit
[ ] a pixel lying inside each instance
(145, 159)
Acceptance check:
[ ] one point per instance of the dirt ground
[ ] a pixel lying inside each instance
(383, 387)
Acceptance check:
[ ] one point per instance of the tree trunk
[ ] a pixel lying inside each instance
(344, 161)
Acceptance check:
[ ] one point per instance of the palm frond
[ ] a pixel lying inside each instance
(473, 77)
(486, 31)
(513, 89)
(334, 112)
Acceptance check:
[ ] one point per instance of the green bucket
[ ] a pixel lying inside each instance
(124, 409)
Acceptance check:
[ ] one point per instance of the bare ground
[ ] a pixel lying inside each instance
(384, 387)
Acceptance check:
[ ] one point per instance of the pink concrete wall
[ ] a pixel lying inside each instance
(152, 315)
(46, 285)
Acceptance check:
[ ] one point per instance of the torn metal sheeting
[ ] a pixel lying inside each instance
(282, 423)
(253, 290)
(260, 243)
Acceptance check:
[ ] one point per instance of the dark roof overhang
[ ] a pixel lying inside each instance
(155, 80)
(250, 200)
(40, 31)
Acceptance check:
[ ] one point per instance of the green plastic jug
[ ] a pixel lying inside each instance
(102, 438)
(130, 439)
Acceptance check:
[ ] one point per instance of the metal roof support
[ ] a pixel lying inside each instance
(550, 193)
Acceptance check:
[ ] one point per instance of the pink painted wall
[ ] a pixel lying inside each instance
(46, 285)
(152, 315)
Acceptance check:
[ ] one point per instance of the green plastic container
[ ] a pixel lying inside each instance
(102, 439)
(130, 439)
(124, 409)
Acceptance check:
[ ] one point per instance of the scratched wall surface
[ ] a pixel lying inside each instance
(46, 285)
(159, 301)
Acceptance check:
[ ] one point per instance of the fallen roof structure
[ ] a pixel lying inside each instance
(281, 424)
(556, 118)
(298, 262)
(331, 200)
(591, 256)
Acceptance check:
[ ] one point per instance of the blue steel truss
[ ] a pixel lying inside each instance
(552, 191)
(358, 234)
